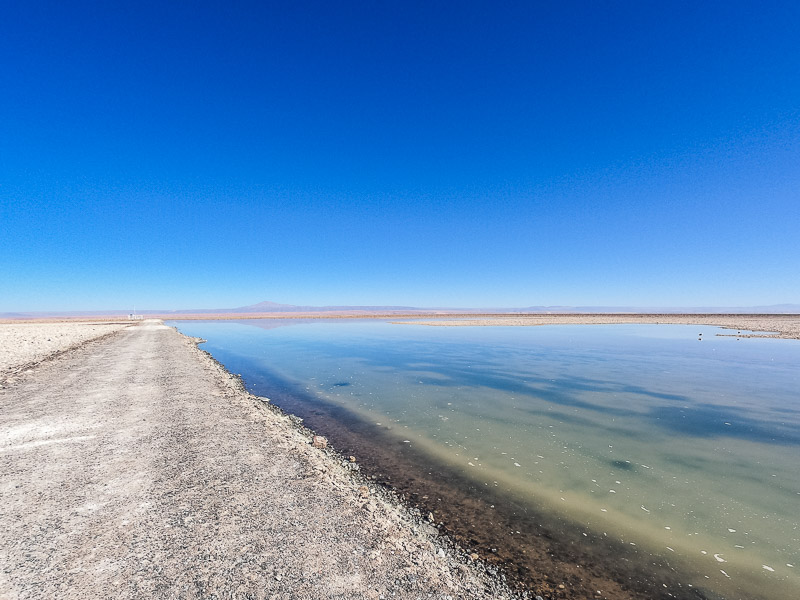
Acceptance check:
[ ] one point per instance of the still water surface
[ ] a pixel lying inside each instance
(682, 448)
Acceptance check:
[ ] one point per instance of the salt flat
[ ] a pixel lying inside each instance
(23, 343)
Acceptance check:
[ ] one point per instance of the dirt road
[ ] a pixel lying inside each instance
(135, 467)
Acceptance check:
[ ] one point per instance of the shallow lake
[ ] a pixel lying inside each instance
(663, 447)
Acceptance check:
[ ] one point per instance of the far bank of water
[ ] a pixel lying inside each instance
(647, 459)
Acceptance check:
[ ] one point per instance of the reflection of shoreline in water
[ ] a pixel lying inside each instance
(538, 551)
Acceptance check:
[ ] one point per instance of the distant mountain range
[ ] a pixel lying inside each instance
(267, 307)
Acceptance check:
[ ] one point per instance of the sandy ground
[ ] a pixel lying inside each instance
(780, 326)
(134, 466)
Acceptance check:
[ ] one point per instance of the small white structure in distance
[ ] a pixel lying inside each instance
(134, 317)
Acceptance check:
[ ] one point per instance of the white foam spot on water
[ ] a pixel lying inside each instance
(768, 568)
(719, 558)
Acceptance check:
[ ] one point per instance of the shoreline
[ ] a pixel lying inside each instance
(549, 557)
(783, 326)
(337, 459)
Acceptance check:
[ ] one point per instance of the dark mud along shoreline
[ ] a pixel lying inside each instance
(537, 553)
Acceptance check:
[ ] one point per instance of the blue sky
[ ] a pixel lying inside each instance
(192, 154)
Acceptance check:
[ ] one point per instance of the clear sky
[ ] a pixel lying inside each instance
(205, 155)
